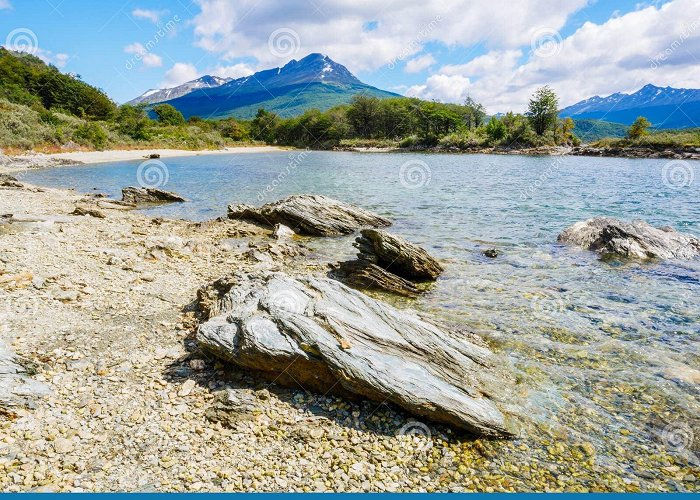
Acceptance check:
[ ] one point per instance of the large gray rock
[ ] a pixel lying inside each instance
(636, 239)
(397, 255)
(320, 334)
(312, 215)
(139, 195)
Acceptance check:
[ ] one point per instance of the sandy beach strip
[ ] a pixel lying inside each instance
(40, 160)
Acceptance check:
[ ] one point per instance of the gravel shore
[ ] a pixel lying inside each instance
(103, 309)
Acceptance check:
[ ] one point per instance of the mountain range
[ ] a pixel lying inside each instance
(664, 107)
(152, 96)
(316, 81)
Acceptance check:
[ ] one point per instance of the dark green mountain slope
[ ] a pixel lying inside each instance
(312, 82)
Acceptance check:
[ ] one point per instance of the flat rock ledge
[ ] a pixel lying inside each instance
(310, 215)
(636, 240)
(17, 388)
(324, 336)
(139, 195)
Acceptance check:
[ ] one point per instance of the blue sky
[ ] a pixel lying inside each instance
(496, 51)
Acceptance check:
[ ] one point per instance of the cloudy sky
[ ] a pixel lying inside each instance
(496, 51)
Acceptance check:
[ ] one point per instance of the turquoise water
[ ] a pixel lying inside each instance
(598, 344)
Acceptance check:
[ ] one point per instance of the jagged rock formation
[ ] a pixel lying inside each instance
(397, 255)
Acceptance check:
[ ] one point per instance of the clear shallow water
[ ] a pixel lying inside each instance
(595, 344)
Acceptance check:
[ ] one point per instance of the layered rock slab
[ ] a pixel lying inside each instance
(311, 215)
(139, 195)
(325, 336)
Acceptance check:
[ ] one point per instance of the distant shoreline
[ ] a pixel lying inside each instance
(31, 160)
(687, 153)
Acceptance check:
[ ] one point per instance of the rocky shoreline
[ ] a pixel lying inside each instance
(103, 311)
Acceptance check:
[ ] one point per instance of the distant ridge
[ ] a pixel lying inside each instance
(316, 81)
(161, 95)
(665, 107)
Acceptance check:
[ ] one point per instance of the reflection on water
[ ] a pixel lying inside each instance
(605, 351)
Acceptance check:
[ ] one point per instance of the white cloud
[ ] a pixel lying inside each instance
(234, 71)
(179, 74)
(5, 4)
(149, 59)
(418, 64)
(444, 87)
(150, 15)
(59, 60)
(658, 45)
(242, 28)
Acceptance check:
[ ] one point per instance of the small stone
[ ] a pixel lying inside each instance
(63, 446)
(186, 388)
(282, 232)
(198, 364)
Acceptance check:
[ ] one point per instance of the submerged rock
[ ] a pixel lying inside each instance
(320, 334)
(636, 239)
(397, 255)
(491, 253)
(137, 195)
(312, 215)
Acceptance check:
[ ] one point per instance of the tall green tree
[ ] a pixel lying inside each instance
(475, 113)
(639, 128)
(363, 115)
(264, 126)
(543, 110)
(168, 114)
